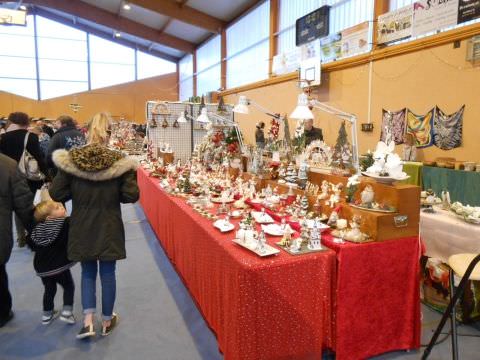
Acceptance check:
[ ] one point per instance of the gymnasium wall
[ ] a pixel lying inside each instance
(418, 80)
(127, 100)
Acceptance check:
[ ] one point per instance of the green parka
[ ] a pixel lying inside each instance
(15, 196)
(97, 180)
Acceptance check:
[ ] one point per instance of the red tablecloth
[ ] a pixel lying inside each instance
(376, 307)
(378, 300)
(271, 308)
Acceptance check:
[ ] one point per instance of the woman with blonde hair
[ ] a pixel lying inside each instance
(97, 180)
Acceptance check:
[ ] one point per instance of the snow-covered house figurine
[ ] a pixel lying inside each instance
(315, 238)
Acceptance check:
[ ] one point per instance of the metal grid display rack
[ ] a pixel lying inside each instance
(161, 117)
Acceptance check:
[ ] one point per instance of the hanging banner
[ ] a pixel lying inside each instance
(420, 126)
(355, 39)
(395, 25)
(447, 129)
(433, 15)
(468, 10)
(331, 47)
(393, 126)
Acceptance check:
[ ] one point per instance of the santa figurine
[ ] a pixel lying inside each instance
(332, 220)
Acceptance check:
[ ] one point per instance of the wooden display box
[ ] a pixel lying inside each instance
(379, 226)
(167, 157)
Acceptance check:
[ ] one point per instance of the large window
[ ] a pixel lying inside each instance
(63, 60)
(209, 66)
(149, 66)
(343, 14)
(18, 71)
(397, 4)
(248, 47)
(185, 76)
(110, 63)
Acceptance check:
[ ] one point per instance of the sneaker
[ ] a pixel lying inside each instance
(107, 330)
(67, 316)
(9, 317)
(47, 319)
(21, 242)
(86, 332)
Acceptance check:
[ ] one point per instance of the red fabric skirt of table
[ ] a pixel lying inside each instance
(291, 307)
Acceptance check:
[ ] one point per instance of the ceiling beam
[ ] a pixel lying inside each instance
(111, 20)
(183, 13)
(102, 34)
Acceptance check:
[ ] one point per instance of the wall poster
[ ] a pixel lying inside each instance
(331, 47)
(355, 39)
(395, 25)
(433, 15)
(468, 10)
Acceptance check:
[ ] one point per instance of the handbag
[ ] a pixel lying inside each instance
(27, 165)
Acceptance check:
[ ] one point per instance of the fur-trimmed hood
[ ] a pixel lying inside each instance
(93, 162)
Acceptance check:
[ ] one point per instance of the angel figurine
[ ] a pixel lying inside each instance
(324, 187)
(335, 198)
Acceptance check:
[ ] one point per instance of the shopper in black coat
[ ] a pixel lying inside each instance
(97, 180)
(15, 197)
(11, 144)
(67, 137)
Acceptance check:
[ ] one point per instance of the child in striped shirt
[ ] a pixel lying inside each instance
(48, 240)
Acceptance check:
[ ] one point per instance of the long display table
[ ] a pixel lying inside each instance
(445, 235)
(283, 307)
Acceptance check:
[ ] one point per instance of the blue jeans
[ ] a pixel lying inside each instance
(89, 279)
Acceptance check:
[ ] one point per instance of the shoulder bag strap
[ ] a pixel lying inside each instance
(25, 142)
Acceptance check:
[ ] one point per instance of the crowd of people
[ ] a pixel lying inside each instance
(68, 165)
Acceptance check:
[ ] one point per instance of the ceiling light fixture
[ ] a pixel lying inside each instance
(117, 34)
(126, 6)
(23, 7)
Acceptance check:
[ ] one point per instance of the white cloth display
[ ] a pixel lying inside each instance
(444, 235)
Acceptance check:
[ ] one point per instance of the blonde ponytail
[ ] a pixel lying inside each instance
(98, 129)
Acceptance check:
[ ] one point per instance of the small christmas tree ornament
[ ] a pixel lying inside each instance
(342, 154)
(291, 174)
(187, 186)
(221, 106)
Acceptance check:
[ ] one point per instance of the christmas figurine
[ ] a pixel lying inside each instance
(304, 205)
(302, 174)
(287, 236)
(315, 238)
(332, 220)
(304, 232)
(261, 241)
(325, 186)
